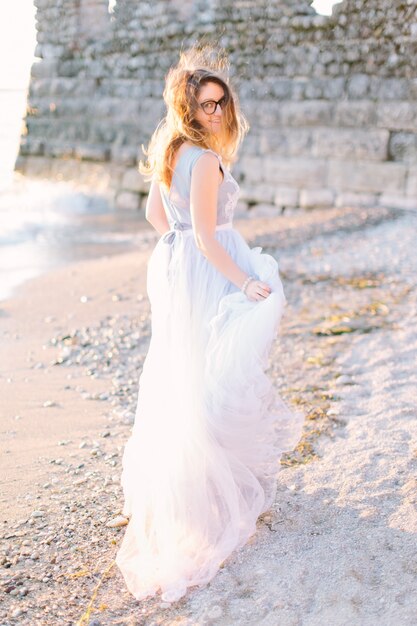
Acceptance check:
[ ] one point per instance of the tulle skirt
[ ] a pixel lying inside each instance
(201, 463)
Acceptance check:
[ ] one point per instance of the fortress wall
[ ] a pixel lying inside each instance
(332, 101)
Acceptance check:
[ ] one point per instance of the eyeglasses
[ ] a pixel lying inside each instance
(209, 106)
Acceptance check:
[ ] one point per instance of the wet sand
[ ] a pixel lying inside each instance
(49, 305)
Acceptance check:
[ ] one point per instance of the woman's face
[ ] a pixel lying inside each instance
(211, 121)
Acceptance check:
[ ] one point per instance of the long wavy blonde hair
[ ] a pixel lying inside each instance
(197, 66)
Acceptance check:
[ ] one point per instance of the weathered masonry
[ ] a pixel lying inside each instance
(332, 101)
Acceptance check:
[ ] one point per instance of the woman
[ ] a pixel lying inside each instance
(201, 463)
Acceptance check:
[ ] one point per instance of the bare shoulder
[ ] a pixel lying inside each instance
(207, 163)
(207, 158)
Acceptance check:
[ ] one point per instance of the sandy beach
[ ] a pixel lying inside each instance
(339, 545)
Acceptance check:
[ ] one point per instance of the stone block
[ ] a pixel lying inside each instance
(71, 68)
(31, 146)
(36, 167)
(44, 69)
(41, 167)
(20, 164)
(286, 141)
(316, 198)
(241, 210)
(49, 51)
(358, 86)
(128, 200)
(313, 89)
(66, 86)
(397, 201)
(286, 197)
(411, 186)
(384, 89)
(251, 168)
(282, 88)
(108, 133)
(354, 114)
(306, 113)
(100, 176)
(91, 152)
(396, 115)
(343, 143)
(351, 199)
(65, 169)
(403, 147)
(59, 150)
(296, 172)
(334, 88)
(40, 87)
(134, 181)
(125, 155)
(365, 176)
(38, 48)
(413, 88)
(264, 210)
(254, 194)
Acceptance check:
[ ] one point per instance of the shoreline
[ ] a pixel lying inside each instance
(28, 321)
(48, 225)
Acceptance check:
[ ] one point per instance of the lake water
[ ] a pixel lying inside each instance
(44, 225)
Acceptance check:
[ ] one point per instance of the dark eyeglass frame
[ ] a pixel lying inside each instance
(223, 101)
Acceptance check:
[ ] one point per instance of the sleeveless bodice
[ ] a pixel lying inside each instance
(177, 201)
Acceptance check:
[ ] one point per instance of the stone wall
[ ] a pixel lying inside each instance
(332, 100)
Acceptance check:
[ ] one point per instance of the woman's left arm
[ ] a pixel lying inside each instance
(154, 211)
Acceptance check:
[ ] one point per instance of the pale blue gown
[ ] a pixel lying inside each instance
(202, 460)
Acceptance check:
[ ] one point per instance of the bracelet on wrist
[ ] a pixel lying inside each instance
(246, 283)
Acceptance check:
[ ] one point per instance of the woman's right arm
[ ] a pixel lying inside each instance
(203, 207)
(154, 210)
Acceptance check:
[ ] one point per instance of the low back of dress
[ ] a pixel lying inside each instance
(177, 201)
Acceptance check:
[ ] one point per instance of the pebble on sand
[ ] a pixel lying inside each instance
(117, 522)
